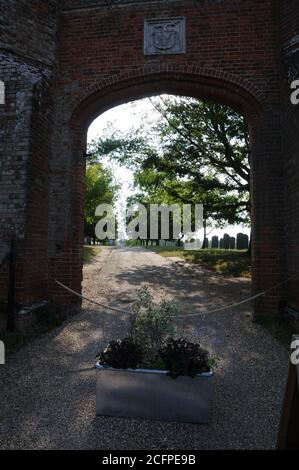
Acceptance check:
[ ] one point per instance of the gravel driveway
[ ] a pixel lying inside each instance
(48, 388)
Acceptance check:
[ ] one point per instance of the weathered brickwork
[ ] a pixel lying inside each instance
(27, 66)
(290, 71)
(67, 62)
(21, 81)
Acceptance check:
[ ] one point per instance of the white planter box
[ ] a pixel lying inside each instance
(152, 394)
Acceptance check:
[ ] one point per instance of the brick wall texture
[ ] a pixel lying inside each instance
(65, 62)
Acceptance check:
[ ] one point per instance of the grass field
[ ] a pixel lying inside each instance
(90, 252)
(230, 263)
(226, 262)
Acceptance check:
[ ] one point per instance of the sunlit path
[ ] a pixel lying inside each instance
(48, 388)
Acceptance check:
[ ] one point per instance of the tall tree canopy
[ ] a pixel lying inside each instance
(195, 152)
(100, 189)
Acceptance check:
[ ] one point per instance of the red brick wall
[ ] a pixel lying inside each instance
(233, 56)
(27, 64)
(290, 71)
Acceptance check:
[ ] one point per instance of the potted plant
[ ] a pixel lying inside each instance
(153, 373)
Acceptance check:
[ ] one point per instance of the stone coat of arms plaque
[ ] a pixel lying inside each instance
(165, 36)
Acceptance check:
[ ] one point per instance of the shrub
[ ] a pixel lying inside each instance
(121, 354)
(151, 344)
(152, 325)
(184, 358)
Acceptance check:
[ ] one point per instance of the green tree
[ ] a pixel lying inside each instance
(100, 189)
(195, 152)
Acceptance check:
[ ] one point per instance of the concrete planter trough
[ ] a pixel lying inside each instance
(152, 394)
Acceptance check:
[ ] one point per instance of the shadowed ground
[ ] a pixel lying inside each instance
(48, 388)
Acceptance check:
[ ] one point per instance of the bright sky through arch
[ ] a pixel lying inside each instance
(123, 118)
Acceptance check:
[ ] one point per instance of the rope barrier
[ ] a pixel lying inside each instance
(89, 300)
(207, 312)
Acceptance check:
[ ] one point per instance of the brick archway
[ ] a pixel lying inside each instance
(65, 62)
(188, 80)
(204, 84)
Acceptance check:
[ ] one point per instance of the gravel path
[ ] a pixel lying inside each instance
(48, 388)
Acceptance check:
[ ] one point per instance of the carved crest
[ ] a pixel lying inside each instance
(165, 36)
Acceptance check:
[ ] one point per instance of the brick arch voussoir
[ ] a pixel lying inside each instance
(221, 83)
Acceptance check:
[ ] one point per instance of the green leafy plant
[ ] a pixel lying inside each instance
(152, 345)
(152, 324)
(121, 354)
(184, 358)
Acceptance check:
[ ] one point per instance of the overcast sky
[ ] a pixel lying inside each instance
(123, 118)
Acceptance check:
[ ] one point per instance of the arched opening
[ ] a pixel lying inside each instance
(131, 266)
(226, 334)
(241, 97)
(171, 165)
